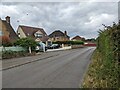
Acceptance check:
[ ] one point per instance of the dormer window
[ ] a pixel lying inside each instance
(38, 35)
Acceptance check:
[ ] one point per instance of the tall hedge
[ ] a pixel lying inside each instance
(108, 44)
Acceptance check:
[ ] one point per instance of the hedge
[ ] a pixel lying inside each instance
(69, 42)
(12, 54)
(104, 71)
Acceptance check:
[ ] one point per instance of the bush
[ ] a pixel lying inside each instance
(109, 47)
(11, 54)
(27, 43)
(69, 42)
(108, 42)
(104, 69)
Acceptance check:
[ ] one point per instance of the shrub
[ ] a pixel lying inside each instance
(28, 43)
(108, 46)
(104, 69)
(7, 54)
(11, 54)
(69, 42)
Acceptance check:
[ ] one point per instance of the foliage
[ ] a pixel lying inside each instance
(26, 42)
(15, 54)
(91, 40)
(104, 69)
(69, 42)
(6, 41)
(108, 41)
(12, 54)
(101, 73)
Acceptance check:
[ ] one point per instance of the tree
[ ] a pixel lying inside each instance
(27, 43)
(6, 41)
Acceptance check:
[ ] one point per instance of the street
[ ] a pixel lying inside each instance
(65, 70)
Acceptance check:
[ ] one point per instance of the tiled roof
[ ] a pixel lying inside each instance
(77, 38)
(28, 30)
(13, 35)
(57, 33)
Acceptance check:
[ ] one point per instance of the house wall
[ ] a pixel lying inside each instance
(76, 40)
(58, 39)
(4, 29)
(20, 33)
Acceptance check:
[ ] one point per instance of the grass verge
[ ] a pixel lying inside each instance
(101, 73)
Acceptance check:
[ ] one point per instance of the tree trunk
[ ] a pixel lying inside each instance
(30, 51)
(3, 49)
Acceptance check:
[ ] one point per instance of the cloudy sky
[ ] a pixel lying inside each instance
(77, 18)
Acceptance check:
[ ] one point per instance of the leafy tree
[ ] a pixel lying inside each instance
(27, 43)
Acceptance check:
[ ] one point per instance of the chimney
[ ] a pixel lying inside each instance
(7, 19)
(65, 32)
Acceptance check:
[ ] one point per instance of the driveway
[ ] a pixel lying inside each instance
(65, 70)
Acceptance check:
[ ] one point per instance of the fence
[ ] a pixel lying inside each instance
(12, 49)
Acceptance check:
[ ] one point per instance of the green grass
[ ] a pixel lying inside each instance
(101, 73)
(104, 70)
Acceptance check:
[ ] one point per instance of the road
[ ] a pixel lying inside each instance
(63, 71)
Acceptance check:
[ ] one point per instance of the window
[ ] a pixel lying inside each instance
(57, 38)
(18, 34)
(1, 33)
(38, 35)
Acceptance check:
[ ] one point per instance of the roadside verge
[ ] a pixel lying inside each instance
(101, 73)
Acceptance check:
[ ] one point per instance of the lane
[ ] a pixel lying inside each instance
(63, 71)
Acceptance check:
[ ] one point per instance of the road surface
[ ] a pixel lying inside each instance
(63, 71)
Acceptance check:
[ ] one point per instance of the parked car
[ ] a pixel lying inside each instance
(41, 47)
(54, 46)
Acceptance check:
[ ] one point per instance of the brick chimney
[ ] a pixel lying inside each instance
(65, 32)
(7, 19)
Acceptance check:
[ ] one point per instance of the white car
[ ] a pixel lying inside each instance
(41, 47)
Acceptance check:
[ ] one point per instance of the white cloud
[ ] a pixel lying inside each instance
(8, 10)
(84, 18)
(96, 21)
(60, 1)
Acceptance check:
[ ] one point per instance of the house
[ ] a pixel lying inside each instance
(7, 30)
(78, 38)
(38, 34)
(58, 36)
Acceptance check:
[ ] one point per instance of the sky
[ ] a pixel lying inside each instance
(77, 18)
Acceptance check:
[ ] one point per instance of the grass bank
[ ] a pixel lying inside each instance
(101, 74)
(104, 70)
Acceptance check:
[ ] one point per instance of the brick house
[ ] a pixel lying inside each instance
(59, 36)
(38, 34)
(78, 38)
(7, 30)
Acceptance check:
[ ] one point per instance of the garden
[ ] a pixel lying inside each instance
(20, 48)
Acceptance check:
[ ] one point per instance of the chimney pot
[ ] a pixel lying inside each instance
(65, 32)
(7, 19)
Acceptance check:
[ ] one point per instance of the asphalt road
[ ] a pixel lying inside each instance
(63, 71)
